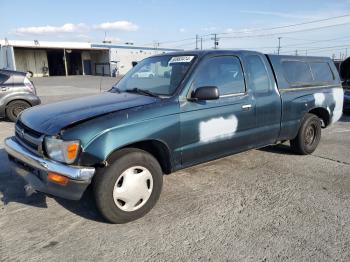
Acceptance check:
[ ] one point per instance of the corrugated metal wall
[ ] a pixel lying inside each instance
(31, 60)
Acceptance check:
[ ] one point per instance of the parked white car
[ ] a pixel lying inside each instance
(144, 73)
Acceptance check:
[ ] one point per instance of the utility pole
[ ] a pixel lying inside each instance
(196, 42)
(156, 46)
(305, 52)
(346, 52)
(279, 45)
(216, 41)
(201, 43)
(296, 52)
(65, 62)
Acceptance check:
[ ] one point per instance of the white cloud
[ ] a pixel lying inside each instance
(182, 30)
(118, 26)
(40, 30)
(75, 28)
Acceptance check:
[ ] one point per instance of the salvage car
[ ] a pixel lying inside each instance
(17, 94)
(213, 104)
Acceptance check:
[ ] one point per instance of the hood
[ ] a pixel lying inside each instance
(52, 118)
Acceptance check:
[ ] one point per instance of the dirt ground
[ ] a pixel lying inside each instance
(260, 205)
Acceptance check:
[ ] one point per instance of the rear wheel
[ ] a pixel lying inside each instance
(14, 108)
(308, 137)
(128, 188)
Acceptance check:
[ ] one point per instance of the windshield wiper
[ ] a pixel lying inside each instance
(141, 92)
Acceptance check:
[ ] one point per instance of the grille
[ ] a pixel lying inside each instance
(30, 139)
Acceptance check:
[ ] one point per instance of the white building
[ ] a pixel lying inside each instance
(44, 58)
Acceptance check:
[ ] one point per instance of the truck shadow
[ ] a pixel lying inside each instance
(278, 149)
(85, 207)
(345, 117)
(12, 190)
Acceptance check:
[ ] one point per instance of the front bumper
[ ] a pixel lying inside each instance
(34, 170)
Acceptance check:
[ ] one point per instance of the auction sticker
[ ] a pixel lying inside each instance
(180, 59)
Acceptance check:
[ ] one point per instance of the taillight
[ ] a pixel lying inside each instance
(29, 85)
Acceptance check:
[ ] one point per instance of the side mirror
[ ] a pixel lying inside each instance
(133, 63)
(205, 93)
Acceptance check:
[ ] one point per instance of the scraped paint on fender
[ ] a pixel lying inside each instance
(338, 97)
(217, 128)
(319, 99)
(333, 102)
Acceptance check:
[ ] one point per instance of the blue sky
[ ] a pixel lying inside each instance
(144, 22)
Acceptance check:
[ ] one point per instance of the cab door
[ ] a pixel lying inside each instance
(214, 128)
(268, 101)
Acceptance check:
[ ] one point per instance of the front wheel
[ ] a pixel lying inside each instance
(14, 108)
(128, 188)
(308, 137)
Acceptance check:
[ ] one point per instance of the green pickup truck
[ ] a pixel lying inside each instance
(193, 107)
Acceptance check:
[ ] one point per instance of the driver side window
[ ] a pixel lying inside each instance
(224, 72)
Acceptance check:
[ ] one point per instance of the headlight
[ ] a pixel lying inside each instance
(62, 151)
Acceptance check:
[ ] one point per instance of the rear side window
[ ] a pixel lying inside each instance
(321, 72)
(297, 71)
(224, 72)
(3, 78)
(258, 76)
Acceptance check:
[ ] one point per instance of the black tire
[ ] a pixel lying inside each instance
(106, 179)
(308, 137)
(14, 108)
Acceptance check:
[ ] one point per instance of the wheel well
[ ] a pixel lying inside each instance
(323, 114)
(157, 149)
(14, 100)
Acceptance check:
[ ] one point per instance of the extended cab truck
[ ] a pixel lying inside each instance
(196, 107)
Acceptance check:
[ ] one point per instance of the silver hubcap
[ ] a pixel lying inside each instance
(133, 188)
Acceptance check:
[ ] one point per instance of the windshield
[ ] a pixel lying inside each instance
(159, 75)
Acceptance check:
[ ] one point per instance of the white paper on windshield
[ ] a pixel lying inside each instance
(180, 59)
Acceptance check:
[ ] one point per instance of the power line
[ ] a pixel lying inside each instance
(173, 41)
(317, 41)
(262, 29)
(287, 26)
(288, 32)
(320, 49)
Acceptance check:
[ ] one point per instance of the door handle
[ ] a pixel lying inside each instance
(3, 88)
(246, 107)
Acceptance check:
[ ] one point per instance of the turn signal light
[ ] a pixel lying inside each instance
(58, 179)
(72, 151)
